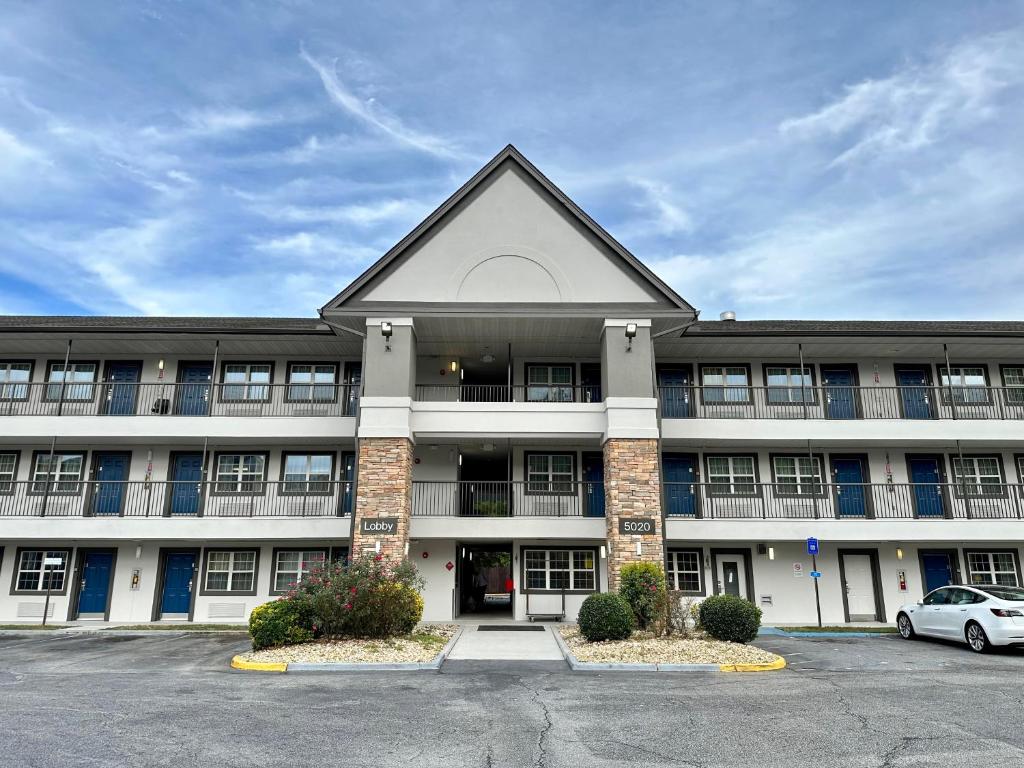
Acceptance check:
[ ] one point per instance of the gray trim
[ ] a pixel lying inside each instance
(334, 466)
(524, 589)
(230, 592)
(702, 576)
(822, 477)
(954, 565)
(31, 363)
(526, 473)
(907, 328)
(991, 551)
(161, 572)
(940, 462)
(16, 452)
(876, 579)
(73, 607)
(748, 567)
(87, 510)
(51, 492)
(44, 548)
(297, 548)
(865, 462)
(214, 482)
(958, 487)
(66, 385)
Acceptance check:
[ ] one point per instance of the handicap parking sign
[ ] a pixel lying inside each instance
(812, 546)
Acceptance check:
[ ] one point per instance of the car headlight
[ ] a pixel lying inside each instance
(1005, 613)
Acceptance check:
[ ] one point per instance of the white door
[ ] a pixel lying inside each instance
(732, 576)
(860, 587)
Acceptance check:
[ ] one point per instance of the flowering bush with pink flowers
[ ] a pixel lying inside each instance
(643, 586)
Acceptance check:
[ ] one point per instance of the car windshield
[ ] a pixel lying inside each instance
(1004, 593)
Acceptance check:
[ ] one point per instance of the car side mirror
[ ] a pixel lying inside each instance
(920, 602)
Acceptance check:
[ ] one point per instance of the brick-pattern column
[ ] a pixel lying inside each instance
(632, 487)
(383, 489)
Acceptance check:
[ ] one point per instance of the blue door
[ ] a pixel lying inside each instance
(348, 478)
(110, 481)
(926, 489)
(915, 392)
(178, 571)
(851, 493)
(122, 389)
(194, 389)
(938, 570)
(94, 589)
(840, 392)
(674, 388)
(680, 476)
(186, 484)
(593, 484)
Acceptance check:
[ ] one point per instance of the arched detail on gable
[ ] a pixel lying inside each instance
(510, 274)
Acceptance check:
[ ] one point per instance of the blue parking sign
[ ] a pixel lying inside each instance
(815, 574)
(812, 546)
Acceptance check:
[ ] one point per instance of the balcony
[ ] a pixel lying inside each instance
(515, 393)
(505, 499)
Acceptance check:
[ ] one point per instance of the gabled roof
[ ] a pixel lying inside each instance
(512, 155)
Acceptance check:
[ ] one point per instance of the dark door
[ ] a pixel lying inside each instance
(840, 392)
(593, 484)
(590, 379)
(938, 570)
(186, 484)
(850, 491)
(680, 476)
(110, 476)
(177, 595)
(731, 579)
(94, 589)
(194, 389)
(674, 389)
(353, 378)
(122, 389)
(348, 478)
(926, 491)
(915, 392)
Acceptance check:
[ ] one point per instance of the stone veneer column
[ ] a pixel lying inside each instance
(383, 489)
(632, 487)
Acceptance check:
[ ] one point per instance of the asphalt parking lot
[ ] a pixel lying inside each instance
(171, 700)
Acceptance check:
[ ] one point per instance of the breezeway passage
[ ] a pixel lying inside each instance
(508, 642)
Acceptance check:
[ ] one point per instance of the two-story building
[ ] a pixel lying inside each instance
(512, 400)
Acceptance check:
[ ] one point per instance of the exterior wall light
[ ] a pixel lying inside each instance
(630, 335)
(604, 552)
(771, 553)
(386, 330)
(899, 553)
(454, 365)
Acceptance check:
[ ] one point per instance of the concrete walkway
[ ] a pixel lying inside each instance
(519, 642)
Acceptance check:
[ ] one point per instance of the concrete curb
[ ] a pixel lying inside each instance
(71, 632)
(776, 632)
(599, 666)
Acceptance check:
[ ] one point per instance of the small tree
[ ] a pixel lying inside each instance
(643, 587)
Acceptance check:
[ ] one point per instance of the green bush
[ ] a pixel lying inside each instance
(726, 617)
(277, 623)
(605, 616)
(643, 587)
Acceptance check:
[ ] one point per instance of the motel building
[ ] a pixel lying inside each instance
(512, 400)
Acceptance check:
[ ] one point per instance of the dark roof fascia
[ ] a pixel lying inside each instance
(138, 326)
(1014, 330)
(506, 309)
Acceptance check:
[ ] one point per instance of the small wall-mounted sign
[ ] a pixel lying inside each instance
(449, 565)
(136, 579)
(798, 570)
(383, 525)
(636, 526)
(901, 580)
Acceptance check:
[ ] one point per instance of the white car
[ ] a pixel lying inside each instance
(981, 616)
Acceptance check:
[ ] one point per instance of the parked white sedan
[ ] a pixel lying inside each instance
(981, 616)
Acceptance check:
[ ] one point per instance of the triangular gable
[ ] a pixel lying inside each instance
(508, 236)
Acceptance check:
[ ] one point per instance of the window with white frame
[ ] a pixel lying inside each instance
(8, 470)
(996, 568)
(77, 381)
(685, 571)
(725, 383)
(14, 379)
(308, 473)
(231, 571)
(557, 569)
(246, 381)
(797, 475)
(35, 576)
(240, 473)
(1013, 381)
(312, 382)
(968, 384)
(293, 565)
(59, 473)
(549, 383)
(977, 476)
(789, 384)
(549, 473)
(732, 475)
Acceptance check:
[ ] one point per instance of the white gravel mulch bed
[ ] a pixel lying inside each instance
(644, 648)
(432, 639)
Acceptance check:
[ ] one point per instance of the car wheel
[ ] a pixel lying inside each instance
(976, 638)
(905, 627)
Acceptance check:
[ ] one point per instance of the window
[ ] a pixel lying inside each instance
(8, 471)
(14, 379)
(977, 476)
(33, 575)
(549, 383)
(996, 568)
(230, 571)
(940, 596)
(77, 381)
(291, 566)
(797, 475)
(725, 383)
(732, 475)
(550, 473)
(307, 473)
(246, 381)
(1013, 381)
(312, 382)
(60, 473)
(685, 571)
(789, 384)
(240, 473)
(967, 384)
(557, 569)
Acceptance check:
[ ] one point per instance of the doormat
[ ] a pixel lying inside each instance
(508, 628)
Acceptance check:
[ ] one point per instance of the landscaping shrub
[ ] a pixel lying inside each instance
(643, 587)
(726, 617)
(277, 623)
(605, 616)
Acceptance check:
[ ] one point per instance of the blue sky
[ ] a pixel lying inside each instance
(786, 160)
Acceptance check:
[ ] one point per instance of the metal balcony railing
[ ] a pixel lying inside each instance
(65, 498)
(844, 501)
(175, 399)
(505, 498)
(502, 393)
(841, 403)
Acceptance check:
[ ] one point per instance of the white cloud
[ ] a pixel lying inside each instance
(667, 216)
